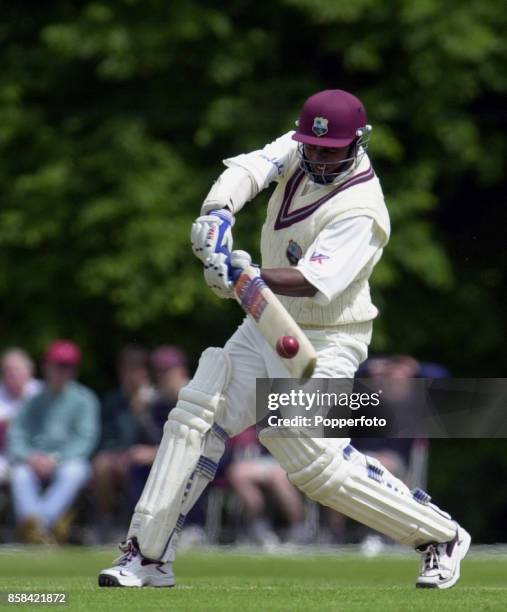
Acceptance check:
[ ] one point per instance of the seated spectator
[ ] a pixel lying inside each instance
(123, 411)
(252, 473)
(17, 385)
(395, 453)
(50, 442)
(170, 372)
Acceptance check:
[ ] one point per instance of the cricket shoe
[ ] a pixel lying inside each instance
(132, 570)
(440, 568)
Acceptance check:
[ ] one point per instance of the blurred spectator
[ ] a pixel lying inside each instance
(169, 368)
(170, 373)
(50, 442)
(17, 385)
(123, 411)
(253, 474)
(393, 453)
(398, 455)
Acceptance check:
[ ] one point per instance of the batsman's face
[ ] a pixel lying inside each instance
(325, 159)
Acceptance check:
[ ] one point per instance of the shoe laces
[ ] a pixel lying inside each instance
(129, 550)
(431, 557)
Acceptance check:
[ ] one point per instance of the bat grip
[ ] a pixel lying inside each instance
(234, 273)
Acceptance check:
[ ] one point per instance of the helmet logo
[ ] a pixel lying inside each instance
(319, 127)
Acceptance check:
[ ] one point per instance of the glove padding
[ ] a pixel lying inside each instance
(241, 260)
(216, 275)
(218, 271)
(212, 234)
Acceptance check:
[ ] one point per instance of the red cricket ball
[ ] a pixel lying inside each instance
(287, 347)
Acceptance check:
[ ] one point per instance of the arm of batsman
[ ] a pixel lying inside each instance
(221, 269)
(211, 234)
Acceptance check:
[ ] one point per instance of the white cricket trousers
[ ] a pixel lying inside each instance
(251, 357)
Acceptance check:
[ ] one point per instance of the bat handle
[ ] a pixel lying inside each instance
(234, 273)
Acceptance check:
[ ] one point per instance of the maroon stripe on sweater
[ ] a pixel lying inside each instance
(286, 219)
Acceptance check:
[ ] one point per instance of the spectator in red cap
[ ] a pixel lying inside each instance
(63, 352)
(50, 443)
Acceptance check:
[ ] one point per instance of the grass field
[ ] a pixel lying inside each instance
(240, 582)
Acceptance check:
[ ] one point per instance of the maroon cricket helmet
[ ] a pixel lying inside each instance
(331, 118)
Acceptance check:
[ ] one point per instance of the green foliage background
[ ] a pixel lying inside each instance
(114, 118)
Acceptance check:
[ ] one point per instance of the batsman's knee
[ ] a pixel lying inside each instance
(201, 401)
(314, 465)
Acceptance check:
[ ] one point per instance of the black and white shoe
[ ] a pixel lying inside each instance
(440, 568)
(131, 569)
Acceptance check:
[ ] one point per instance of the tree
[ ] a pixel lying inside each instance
(114, 118)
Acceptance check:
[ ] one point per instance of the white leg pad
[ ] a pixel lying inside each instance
(207, 464)
(338, 476)
(199, 403)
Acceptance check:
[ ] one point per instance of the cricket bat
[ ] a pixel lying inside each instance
(275, 323)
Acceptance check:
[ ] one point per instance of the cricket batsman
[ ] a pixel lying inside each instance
(325, 229)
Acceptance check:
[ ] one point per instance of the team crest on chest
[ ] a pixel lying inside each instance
(319, 127)
(294, 252)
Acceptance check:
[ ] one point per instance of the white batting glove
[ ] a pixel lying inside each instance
(241, 259)
(219, 271)
(216, 275)
(212, 234)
